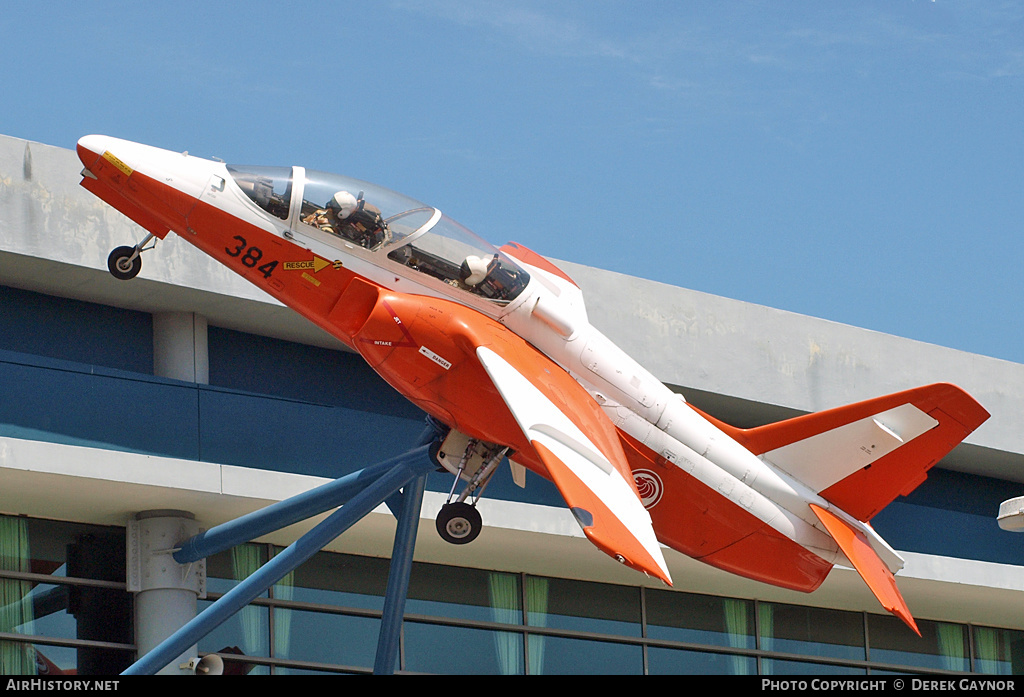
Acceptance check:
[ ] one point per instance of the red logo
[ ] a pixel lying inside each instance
(650, 487)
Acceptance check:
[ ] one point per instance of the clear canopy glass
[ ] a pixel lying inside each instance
(451, 253)
(409, 232)
(270, 188)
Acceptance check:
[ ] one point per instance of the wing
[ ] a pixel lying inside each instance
(594, 480)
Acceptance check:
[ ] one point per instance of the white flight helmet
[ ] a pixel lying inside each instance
(474, 270)
(344, 203)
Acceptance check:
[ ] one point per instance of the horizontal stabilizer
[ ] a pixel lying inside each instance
(868, 564)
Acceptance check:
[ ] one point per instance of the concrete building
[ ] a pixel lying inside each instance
(186, 394)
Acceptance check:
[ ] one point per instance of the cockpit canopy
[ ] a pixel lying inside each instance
(270, 188)
(396, 227)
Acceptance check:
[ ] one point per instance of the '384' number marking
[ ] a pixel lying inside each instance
(252, 256)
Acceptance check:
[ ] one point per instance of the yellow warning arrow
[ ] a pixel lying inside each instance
(316, 263)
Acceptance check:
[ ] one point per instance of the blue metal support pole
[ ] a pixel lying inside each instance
(277, 568)
(300, 507)
(398, 577)
(285, 513)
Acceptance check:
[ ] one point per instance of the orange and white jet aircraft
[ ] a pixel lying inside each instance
(496, 344)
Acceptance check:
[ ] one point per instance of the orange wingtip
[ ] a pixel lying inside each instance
(601, 526)
(868, 564)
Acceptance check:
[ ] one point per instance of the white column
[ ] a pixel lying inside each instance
(165, 591)
(180, 348)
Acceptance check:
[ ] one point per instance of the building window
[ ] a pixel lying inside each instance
(583, 606)
(64, 607)
(811, 631)
(445, 649)
(700, 619)
(325, 617)
(63, 603)
(661, 661)
(942, 645)
(485, 599)
(998, 651)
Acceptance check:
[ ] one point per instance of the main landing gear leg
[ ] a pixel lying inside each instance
(124, 263)
(459, 522)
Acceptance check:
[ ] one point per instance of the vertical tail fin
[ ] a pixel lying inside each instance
(862, 456)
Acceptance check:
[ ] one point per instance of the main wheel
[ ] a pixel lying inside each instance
(122, 266)
(458, 523)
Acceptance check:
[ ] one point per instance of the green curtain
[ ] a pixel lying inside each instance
(16, 614)
(245, 560)
(993, 655)
(951, 646)
(766, 633)
(283, 590)
(736, 626)
(503, 590)
(537, 616)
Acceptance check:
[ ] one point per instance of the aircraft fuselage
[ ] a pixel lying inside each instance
(404, 293)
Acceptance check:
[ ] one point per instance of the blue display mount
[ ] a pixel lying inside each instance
(399, 482)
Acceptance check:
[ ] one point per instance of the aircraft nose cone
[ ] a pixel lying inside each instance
(164, 184)
(91, 147)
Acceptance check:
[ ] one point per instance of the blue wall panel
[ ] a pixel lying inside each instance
(953, 514)
(279, 434)
(272, 366)
(85, 405)
(932, 530)
(74, 330)
(350, 416)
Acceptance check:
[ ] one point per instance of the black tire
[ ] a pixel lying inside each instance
(122, 266)
(458, 523)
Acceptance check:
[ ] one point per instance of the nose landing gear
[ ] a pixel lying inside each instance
(124, 263)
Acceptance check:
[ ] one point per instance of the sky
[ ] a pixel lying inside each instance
(862, 162)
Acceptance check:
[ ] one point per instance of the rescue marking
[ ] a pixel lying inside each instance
(109, 157)
(649, 485)
(316, 264)
(310, 279)
(434, 357)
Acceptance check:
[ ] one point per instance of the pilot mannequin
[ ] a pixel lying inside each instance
(474, 270)
(339, 208)
(488, 277)
(323, 219)
(356, 219)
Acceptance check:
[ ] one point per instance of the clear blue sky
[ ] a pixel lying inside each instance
(857, 161)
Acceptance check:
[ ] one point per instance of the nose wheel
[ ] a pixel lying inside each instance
(124, 263)
(458, 523)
